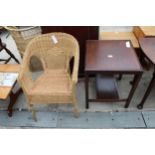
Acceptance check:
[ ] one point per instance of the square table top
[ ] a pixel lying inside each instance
(111, 56)
(120, 36)
(5, 91)
(148, 47)
(148, 30)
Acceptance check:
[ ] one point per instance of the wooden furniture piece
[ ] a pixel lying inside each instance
(6, 92)
(106, 58)
(81, 33)
(132, 36)
(57, 84)
(147, 31)
(11, 55)
(148, 48)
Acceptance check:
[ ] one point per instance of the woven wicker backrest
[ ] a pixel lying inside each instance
(55, 58)
(57, 52)
(22, 42)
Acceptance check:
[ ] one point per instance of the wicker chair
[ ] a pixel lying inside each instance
(57, 84)
(22, 36)
(21, 42)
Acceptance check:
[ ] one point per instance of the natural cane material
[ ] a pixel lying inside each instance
(57, 84)
(21, 42)
(22, 37)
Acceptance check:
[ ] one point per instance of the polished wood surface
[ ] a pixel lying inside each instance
(9, 68)
(5, 91)
(148, 47)
(81, 33)
(111, 56)
(120, 36)
(148, 30)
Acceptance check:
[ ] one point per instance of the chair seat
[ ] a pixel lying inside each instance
(120, 36)
(52, 86)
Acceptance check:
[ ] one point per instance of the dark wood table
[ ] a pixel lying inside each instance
(145, 32)
(148, 48)
(105, 59)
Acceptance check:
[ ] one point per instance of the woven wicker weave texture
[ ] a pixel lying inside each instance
(57, 84)
(22, 36)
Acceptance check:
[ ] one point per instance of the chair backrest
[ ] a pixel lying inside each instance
(55, 49)
(20, 41)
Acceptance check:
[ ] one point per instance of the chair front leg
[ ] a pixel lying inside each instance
(75, 104)
(76, 109)
(31, 108)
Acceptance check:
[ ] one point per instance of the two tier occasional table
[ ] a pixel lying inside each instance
(6, 92)
(148, 48)
(105, 58)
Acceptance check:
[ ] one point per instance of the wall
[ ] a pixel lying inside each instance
(115, 28)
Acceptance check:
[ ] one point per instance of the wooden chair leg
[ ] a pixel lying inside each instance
(33, 113)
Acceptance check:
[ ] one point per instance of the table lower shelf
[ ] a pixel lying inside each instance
(106, 87)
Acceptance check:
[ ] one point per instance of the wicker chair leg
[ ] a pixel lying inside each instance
(33, 113)
(76, 111)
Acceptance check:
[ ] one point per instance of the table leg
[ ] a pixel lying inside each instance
(87, 90)
(152, 83)
(144, 61)
(136, 80)
(13, 98)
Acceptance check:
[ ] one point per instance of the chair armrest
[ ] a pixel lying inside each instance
(76, 67)
(25, 79)
(25, 75)
(74, 77)
(43, 63)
